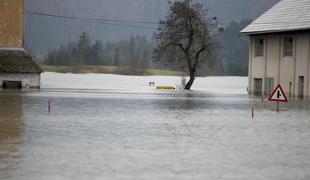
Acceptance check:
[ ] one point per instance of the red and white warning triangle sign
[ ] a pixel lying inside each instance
(278, 95)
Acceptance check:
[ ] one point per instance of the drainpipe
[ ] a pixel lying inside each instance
(290, 91)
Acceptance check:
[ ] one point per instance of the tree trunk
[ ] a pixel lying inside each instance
(192, 72)
(190, 82)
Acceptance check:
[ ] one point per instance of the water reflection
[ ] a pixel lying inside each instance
(10, 132)
(200, 101)
(293, 104)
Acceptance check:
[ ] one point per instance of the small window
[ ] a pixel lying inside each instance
(269, 85)
(301, 86)
(288, 46)
(258, 86)
(11, 84)
(259, 47)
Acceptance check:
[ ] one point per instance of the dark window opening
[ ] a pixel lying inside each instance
(12, 85)
(288, 46)
(259, 47)
(258, 86)
(301, 86)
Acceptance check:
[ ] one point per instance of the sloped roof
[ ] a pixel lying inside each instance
(287, 15)
(17, 61)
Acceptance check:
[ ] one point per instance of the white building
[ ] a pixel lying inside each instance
(280, 49)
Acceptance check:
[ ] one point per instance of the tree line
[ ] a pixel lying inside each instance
(136, 50)
(230, 56)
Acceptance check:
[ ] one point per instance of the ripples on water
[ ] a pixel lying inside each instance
(123, 129)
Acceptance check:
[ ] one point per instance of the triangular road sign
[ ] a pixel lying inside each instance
(278, 95)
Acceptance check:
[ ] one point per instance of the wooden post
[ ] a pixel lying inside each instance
(49, 106)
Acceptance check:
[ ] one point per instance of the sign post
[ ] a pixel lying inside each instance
(278, 96)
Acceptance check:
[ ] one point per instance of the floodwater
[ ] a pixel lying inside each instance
(116, 127)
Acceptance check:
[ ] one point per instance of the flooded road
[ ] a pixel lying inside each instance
(116, 127)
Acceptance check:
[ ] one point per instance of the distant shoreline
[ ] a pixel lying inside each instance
(109, 70)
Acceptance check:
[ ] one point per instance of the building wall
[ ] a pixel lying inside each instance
(29, 80)
(273, 57)
(287, 69)
(11, 23)
(284, 70)
(302, 60)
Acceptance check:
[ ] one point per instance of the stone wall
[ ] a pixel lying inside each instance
(11, 23)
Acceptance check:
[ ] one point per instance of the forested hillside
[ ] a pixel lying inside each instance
(44, 32)
(122, 19)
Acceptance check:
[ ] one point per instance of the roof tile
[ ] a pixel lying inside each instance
(17, 61)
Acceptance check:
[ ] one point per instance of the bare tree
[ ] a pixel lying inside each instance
(188, 33)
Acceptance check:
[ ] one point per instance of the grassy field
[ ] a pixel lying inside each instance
(108, 70)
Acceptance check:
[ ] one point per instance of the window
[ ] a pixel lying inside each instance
(269, 86)
(259, 46)
(301, 86)
(258, 86)
(12, 84)
(288, 46)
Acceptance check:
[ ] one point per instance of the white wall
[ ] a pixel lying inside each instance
(31, 80)
(283, 69)
(273, 57)
(302, 59)
(256, 65)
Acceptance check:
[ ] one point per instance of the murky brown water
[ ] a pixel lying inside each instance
(109, 134)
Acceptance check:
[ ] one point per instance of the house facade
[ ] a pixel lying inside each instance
(17, 67)
(12, 23)
(280, 49)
